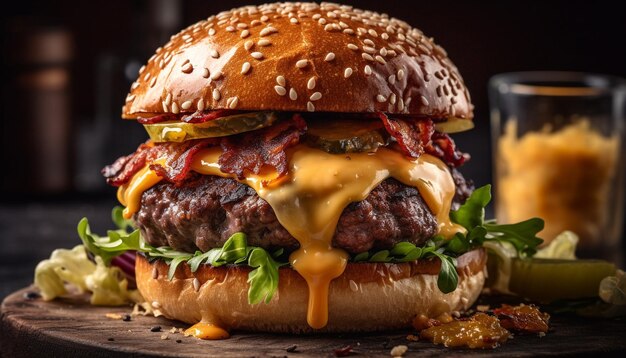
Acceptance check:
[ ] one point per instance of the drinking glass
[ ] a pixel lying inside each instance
(558, 140)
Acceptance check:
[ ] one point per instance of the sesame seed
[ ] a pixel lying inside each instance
(257, 55)
(315, 96)
(347, 72)
(211, 31)
(310, 107)
(214, 53)
(196, 284)
(187, 68)
(264, 42)
(281, 80)
(280, 90)
(216, 94)
(383, 52)
(329, 57)
(400, 105)
(391, 79)
(353, 47)
(268, 31)
(369, 42)
(168, 99)
(348, 31)
(155, 271)
(241, 25)
(302, 63)
(153, 82)
(130, 97)
(321, 21)
(135, 85)
(175, 109)
(384, 36)
(380, 98)
(407, 102)
(400, 74)
(367, 70)
(200, 104)
(165, 109)
(232, 102)
(311, 83)
(369, 49)
(380, 59)
(230, 29)
(293, 95)
(293, 20)
(245, 68)
(343, 25)
(367, 56)
(205, 72)
(372, 32)
(142, 68)
(316, 16)
(424, 100)
(353, 286)
(264, 18)
(244, 34)
(392, 98)
(216, 75)
(248, 45)
(186, 105)
(329, 27)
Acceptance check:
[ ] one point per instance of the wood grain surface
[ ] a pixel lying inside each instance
(30, 327)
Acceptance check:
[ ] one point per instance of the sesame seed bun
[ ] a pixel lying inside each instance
(366, 297)
(300, 57)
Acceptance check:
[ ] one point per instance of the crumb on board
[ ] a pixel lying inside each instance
(113, 316)
(398, 351)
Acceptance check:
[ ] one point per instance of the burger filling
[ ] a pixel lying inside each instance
(313, 191)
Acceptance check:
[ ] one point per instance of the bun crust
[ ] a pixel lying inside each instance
(300, 57)
(366, 297)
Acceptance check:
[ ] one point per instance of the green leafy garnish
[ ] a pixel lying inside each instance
(471, 215)
(235, 251)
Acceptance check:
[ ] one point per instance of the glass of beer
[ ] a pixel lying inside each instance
(558, 140)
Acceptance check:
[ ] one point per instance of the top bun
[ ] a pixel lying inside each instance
(300, 57)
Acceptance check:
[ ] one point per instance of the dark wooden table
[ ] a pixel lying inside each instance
(30, 231)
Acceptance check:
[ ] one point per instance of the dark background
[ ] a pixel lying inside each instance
(57, 134)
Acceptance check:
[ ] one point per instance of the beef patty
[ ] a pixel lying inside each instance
(206, 210)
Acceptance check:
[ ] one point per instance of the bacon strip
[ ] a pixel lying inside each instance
(244, 153)
(416, 137)
(252, 151)
(124, 168)
(179, 157)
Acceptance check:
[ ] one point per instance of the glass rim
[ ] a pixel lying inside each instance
(556, 83)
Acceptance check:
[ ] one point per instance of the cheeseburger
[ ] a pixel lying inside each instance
(299, 174)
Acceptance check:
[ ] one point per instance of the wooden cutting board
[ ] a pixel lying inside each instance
(71, 327)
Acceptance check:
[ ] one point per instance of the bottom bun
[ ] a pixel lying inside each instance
(366, 297)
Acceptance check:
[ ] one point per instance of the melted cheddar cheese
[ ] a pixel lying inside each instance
(309, 200)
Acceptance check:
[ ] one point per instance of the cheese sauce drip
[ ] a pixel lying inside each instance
(310, 199)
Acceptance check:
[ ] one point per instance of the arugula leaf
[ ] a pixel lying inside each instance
(448, 278)
(117, 214)
(472, 213)
(522, 235)
(264, 278)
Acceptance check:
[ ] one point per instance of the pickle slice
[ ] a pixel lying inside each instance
(346, 135)
(547, 280)
(220, 127)
(454, 125)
